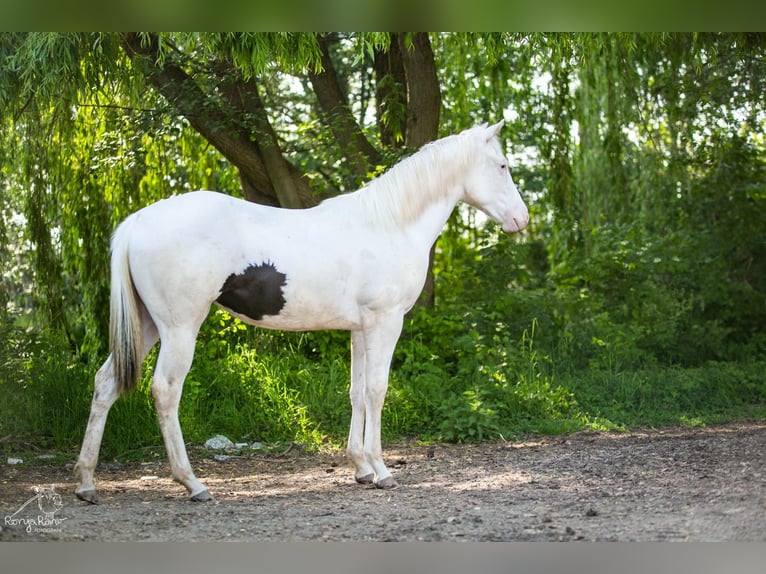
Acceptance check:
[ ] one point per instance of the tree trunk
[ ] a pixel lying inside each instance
(423, 109)
(292, 189)
(423, 94)
(391, 94)
(265, 175)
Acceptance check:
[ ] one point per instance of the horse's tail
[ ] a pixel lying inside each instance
(125, 331)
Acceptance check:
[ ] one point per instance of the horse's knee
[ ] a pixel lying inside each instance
(356, 396)
(375, 397)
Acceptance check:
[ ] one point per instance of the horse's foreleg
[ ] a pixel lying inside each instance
(363, 472)
(173, 364)
(105, 393)
(380, 341)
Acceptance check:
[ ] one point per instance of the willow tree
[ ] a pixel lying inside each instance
(98, 124)
(617, 139)
(656, 184)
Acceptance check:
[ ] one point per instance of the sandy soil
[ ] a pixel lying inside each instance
(671, 485)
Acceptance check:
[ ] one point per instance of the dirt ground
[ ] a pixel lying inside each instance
(671, 485)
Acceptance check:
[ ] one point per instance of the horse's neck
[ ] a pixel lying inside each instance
(427, 227)
(421, 193)
(441, 194)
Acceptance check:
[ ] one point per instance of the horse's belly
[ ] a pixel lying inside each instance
(294, 319)
(263, 296)
(314, 289)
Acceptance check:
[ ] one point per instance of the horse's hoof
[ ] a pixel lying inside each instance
(386, 483)
(366, 479)
(203, 496)
(88, 495)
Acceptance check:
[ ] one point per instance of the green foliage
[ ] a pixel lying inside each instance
(509, 393)
(636, 297)
(39, 381)
(712, 393)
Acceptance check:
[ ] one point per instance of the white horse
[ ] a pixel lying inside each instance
(355, 262)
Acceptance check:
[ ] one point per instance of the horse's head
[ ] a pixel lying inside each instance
(489, 186)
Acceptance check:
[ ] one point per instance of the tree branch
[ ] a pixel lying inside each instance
(359, 153)
(206, 117)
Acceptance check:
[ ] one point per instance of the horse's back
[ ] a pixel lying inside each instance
(195, 213)
(279, 268)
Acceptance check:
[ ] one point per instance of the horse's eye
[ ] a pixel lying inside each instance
(503, 166)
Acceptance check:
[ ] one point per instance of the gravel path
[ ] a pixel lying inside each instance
(671, 485)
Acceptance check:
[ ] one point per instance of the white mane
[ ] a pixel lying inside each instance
(400, 195)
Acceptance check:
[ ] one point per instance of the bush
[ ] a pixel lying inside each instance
(44, 389)
(713, 393)
(506, 351)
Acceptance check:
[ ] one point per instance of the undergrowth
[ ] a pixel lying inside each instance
(453, 379)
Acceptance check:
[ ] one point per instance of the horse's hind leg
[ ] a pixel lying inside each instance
(173, 363)
(105, 393)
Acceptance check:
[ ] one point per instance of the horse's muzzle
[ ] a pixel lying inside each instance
(516, 223)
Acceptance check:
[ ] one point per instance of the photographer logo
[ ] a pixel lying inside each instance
(39, 518)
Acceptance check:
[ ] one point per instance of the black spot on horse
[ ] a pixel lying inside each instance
(255, 292)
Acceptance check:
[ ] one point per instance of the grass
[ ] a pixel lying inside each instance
(281, 387)
(714, 393)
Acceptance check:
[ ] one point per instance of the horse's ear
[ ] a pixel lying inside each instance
(492, 131)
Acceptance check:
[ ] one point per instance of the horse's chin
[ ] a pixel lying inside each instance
(514, 225)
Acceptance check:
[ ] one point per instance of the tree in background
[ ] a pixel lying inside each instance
(97, 127)
(658, 194)
(641, 156)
